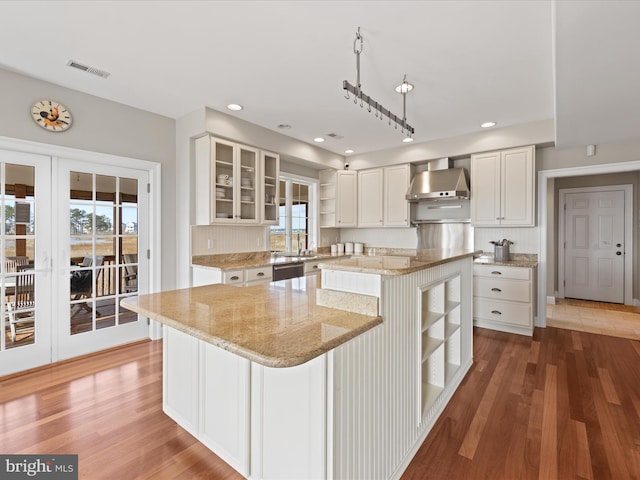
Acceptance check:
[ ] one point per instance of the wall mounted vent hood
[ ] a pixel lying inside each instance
(439, 183)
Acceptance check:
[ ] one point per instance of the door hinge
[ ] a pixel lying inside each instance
(148, 321)
(148, 254)
(148, 188)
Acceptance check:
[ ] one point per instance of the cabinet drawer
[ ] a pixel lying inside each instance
(514, 313)
(500, 271)
(259, 273)
(233, 277)
(312, 267)
(502, 289)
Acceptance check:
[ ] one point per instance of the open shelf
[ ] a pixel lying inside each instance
(440, 339)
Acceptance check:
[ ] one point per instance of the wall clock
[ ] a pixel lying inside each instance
(50, 115)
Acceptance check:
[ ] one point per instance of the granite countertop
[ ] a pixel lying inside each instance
(400, 264)
(277, 324)
(526, 260)
(239, 261)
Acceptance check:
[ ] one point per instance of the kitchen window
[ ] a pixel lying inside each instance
(297, 226)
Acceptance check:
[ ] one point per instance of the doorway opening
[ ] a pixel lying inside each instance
(546, 209)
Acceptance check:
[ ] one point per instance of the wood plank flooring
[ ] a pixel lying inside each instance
(560, 405)
(563, 405)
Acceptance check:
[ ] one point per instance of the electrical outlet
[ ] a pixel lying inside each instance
(210, 243)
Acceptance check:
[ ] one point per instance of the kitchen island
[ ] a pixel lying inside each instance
(293, 379)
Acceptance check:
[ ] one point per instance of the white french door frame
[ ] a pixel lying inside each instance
(88, 157)
(543, 218)
(628, 234)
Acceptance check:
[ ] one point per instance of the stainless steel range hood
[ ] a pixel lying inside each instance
(439, 183)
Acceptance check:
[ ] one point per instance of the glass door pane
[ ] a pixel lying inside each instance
(24, 268)
(103, 218)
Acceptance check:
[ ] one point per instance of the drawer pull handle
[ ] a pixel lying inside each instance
(235, 277)
(496, 312)
(315, 266)
(495, 272)
(261, 274)
(495, 289)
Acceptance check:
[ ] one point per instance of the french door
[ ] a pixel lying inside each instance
(73, 243)
(25, 261)
(102, 234)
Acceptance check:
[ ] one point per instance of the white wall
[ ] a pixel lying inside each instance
(381, 237)
(102, 126)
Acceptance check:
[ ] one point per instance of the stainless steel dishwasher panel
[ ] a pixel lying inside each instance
(288, 270)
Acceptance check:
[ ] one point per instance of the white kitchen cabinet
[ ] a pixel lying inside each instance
(370, 197)
(224, 409)
(502, 187)
(338, 198)
(504, 298)
(269, 176)
(288, 423)
(382, 196)
(207, 391)
(396, 184)
(241, 277)
(227, 182)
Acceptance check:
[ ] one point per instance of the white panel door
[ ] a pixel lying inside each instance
(25, 261)
(594, 246)
(103, 237)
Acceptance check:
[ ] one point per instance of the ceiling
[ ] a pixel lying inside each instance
(285, 61)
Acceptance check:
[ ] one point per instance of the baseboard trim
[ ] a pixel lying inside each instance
(551, 300)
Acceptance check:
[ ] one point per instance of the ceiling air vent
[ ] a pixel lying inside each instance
(88, 69)
(335, 135)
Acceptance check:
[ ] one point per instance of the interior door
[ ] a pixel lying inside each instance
(594, 245)
(103, 233)
(25, 273)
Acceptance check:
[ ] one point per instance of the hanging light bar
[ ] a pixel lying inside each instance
(359, 95)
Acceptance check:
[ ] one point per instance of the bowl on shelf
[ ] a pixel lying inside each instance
(245, 198)
(223, 215)
(246, 182)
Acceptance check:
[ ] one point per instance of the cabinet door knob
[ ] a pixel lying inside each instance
(315, 266)
(495, 289)
(496, 312)
(497, 218)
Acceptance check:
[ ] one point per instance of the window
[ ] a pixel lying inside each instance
(296, 229)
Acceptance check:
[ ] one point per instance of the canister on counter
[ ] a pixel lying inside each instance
(340, 248)
(358, 248)
(348, 248)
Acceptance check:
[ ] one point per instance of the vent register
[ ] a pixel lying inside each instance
(88, 69)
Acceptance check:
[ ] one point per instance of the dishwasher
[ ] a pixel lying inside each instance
(285, 271)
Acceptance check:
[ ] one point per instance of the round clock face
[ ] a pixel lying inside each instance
(50, 115)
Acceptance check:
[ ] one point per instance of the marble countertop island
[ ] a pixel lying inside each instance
(277, 324)
(400, 264)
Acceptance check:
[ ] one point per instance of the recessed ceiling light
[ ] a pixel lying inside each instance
(284, 126)
(488, 124)
(407, 139)
(349, 151)
(235, 107)
(318, 139)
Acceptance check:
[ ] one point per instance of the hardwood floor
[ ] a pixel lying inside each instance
(106, 408)
(560, 405)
